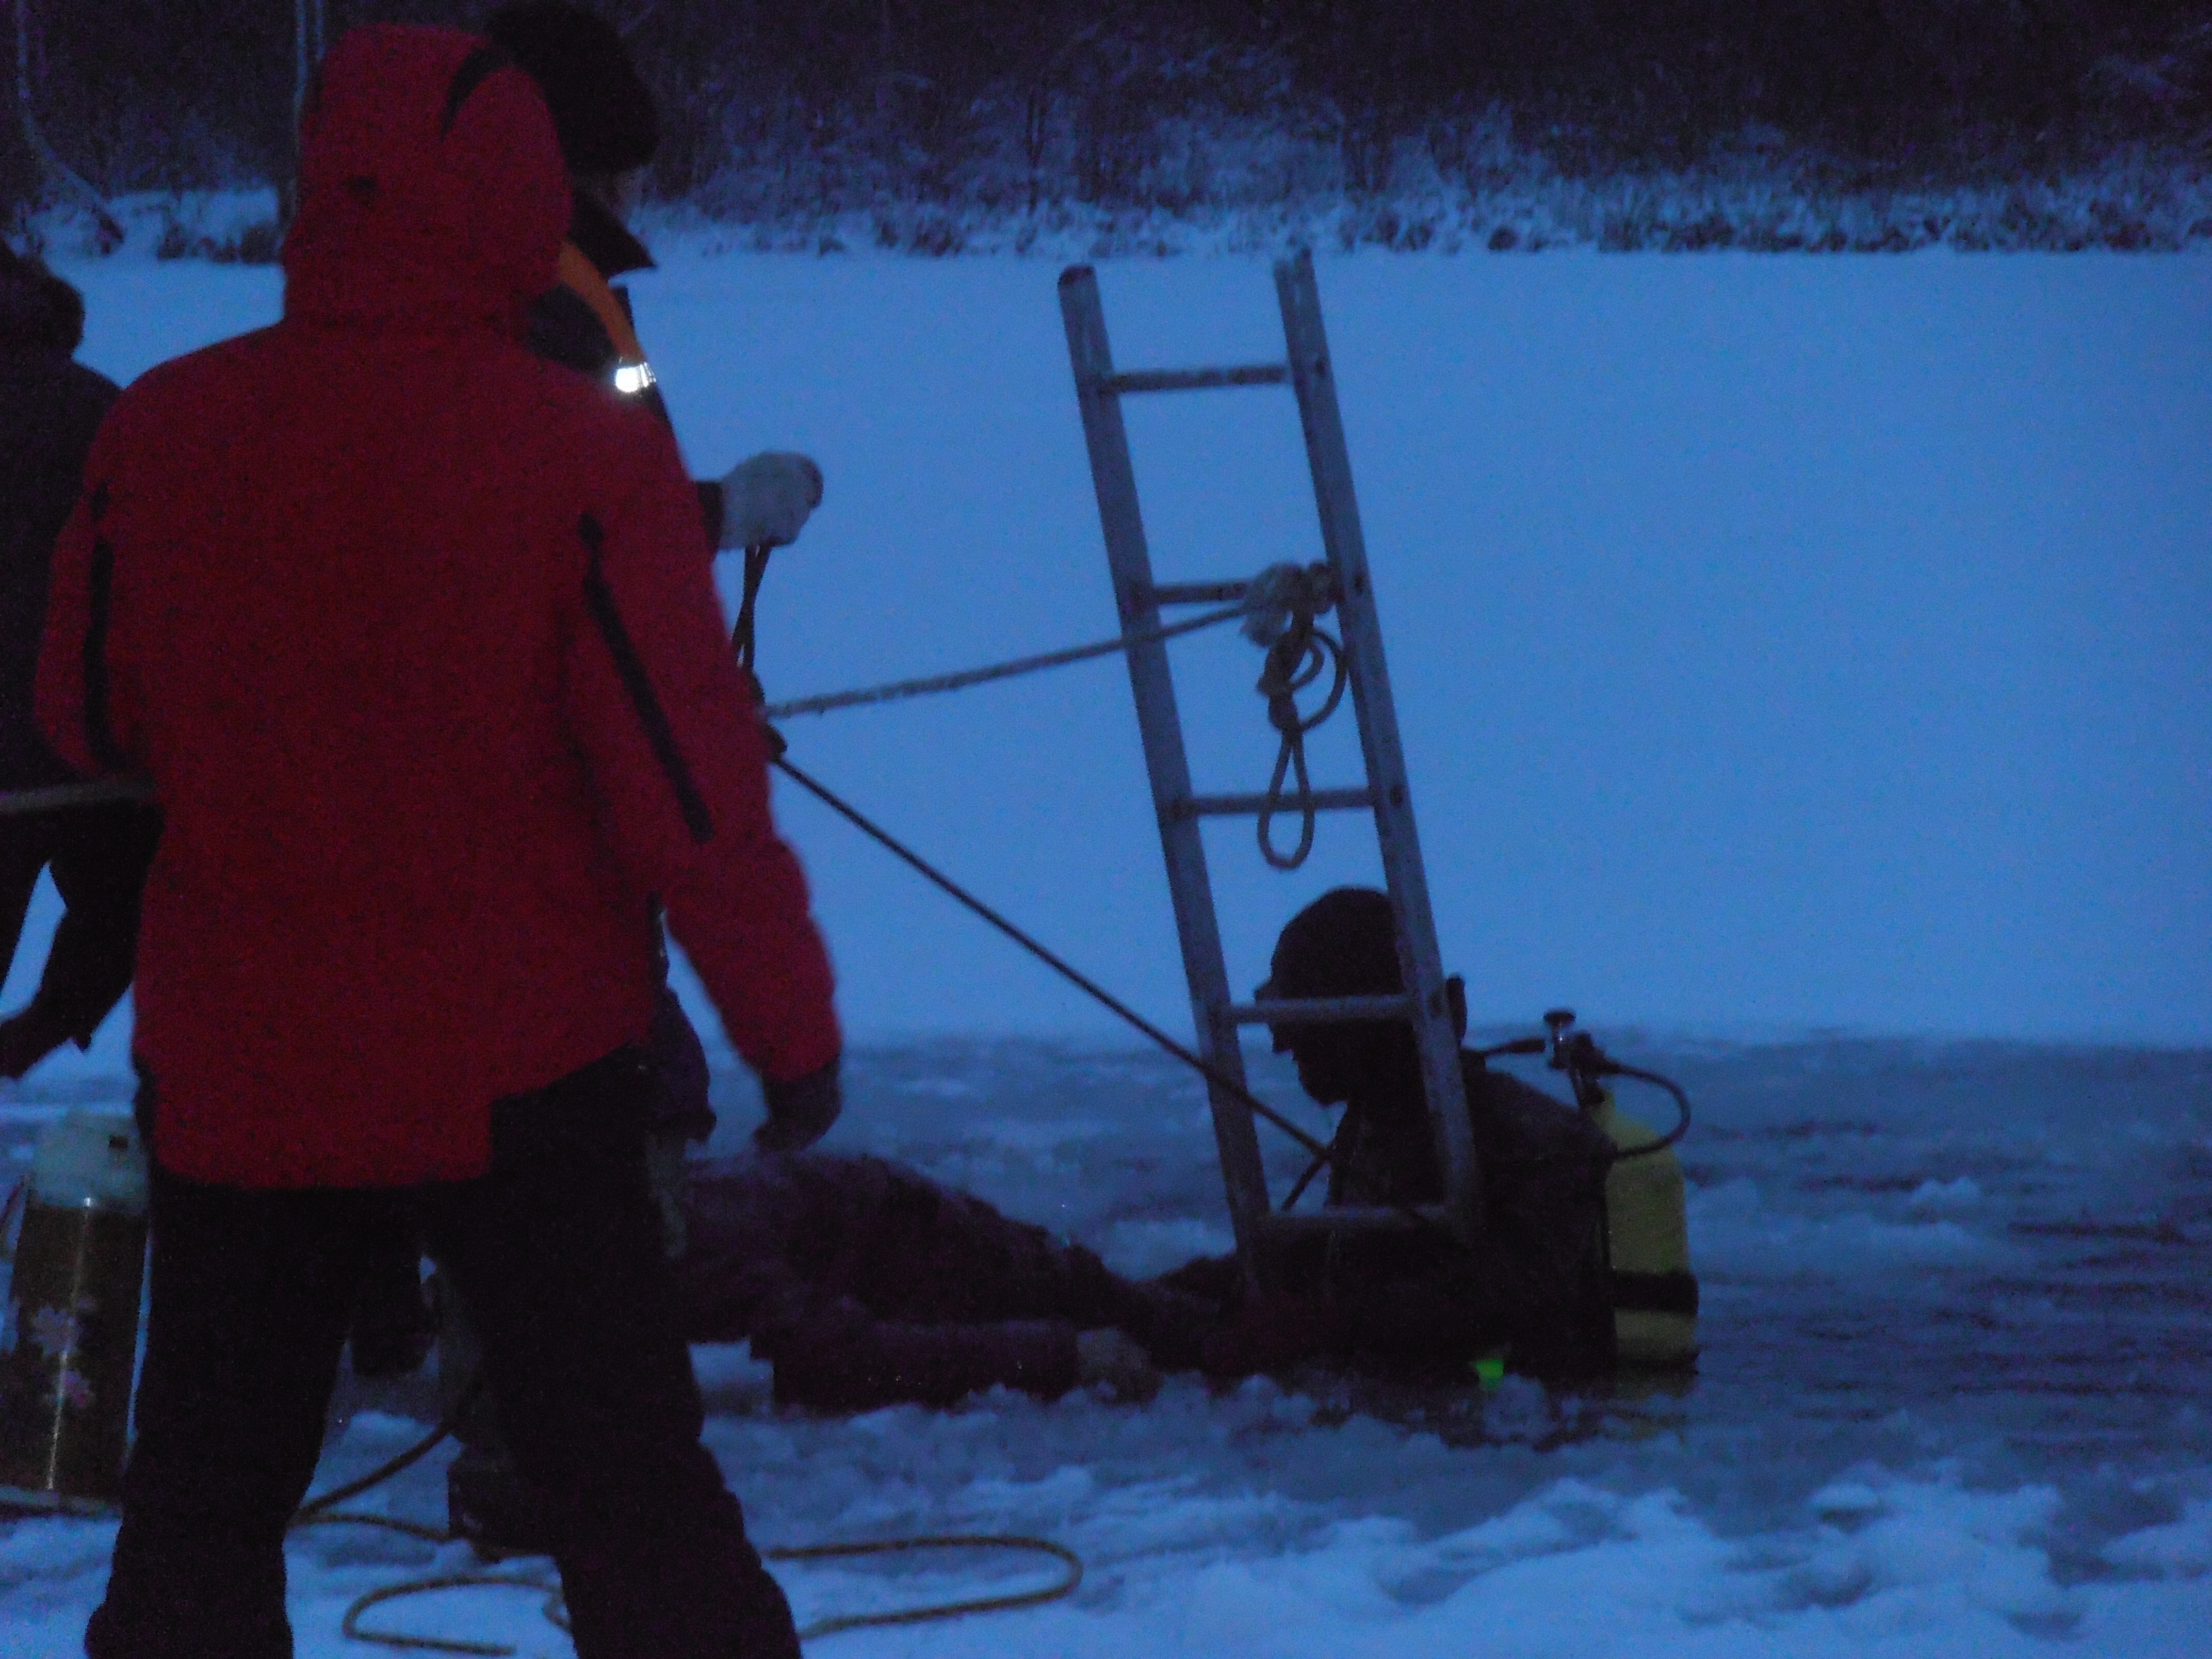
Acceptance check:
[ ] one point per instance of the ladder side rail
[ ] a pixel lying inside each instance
(1204, 967)
(1420, 961)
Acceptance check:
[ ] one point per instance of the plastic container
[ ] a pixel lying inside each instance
(69, 1333)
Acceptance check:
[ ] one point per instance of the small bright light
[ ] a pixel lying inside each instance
(630, 378)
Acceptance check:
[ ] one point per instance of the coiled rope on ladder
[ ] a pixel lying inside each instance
(1286, 603)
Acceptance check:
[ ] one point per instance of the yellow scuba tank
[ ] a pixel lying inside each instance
(68, 1335)
(1655, 1294)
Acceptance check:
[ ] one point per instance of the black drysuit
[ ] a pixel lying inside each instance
(864, 1282)
(1535, 1282)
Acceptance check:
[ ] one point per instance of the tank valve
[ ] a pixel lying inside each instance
(1576, 1053)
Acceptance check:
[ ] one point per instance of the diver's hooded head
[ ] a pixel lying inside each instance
(1345, 944)
(432, 191)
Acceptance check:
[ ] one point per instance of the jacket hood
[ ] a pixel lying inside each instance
(432, 191)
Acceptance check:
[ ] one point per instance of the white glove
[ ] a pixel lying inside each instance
(767, 498)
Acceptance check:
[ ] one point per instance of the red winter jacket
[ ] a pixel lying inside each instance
(414, 635)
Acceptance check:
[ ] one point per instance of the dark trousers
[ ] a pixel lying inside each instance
(557, 1254)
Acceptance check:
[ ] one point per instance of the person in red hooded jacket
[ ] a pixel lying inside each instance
(413, 634)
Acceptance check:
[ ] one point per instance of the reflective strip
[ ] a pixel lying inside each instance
(632, 379)
(658, 733)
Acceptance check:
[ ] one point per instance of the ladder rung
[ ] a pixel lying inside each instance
(1320, 1011)
(1197, 592)
(1347, 1218)
(1224, 806)
(1192, 379)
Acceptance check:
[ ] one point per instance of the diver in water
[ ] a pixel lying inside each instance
(1536, 1282)
(863, 1283)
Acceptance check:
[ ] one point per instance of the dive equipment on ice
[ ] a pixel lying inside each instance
(1647, 1231)
(1647, 1241)
(68, 1335)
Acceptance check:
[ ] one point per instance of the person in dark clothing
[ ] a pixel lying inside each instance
(1535, 1282)
(50, 408)
(412, 635)
(864, 1282)
(609, 130)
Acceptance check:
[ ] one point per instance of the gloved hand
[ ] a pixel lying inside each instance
(769, 498)
(1107, 1357)
(800, 1110)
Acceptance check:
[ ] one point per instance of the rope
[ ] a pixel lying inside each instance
(1284, 604)
(557, 1612)
(1294, 662)
(744, 643)
(350, 1625)
(1065, 1586)
(323, 1511)
(898, 691)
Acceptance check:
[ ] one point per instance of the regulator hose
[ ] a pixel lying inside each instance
(1614, 1068)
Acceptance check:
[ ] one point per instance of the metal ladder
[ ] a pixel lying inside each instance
(1099, 389)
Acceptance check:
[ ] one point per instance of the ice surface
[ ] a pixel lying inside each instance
(1963, 1425)
(1778, 642)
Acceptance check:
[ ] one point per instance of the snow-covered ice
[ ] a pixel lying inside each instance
(1977, 1432)
(1779, 643)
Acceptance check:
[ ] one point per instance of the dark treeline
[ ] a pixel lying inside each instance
(1070, 98)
